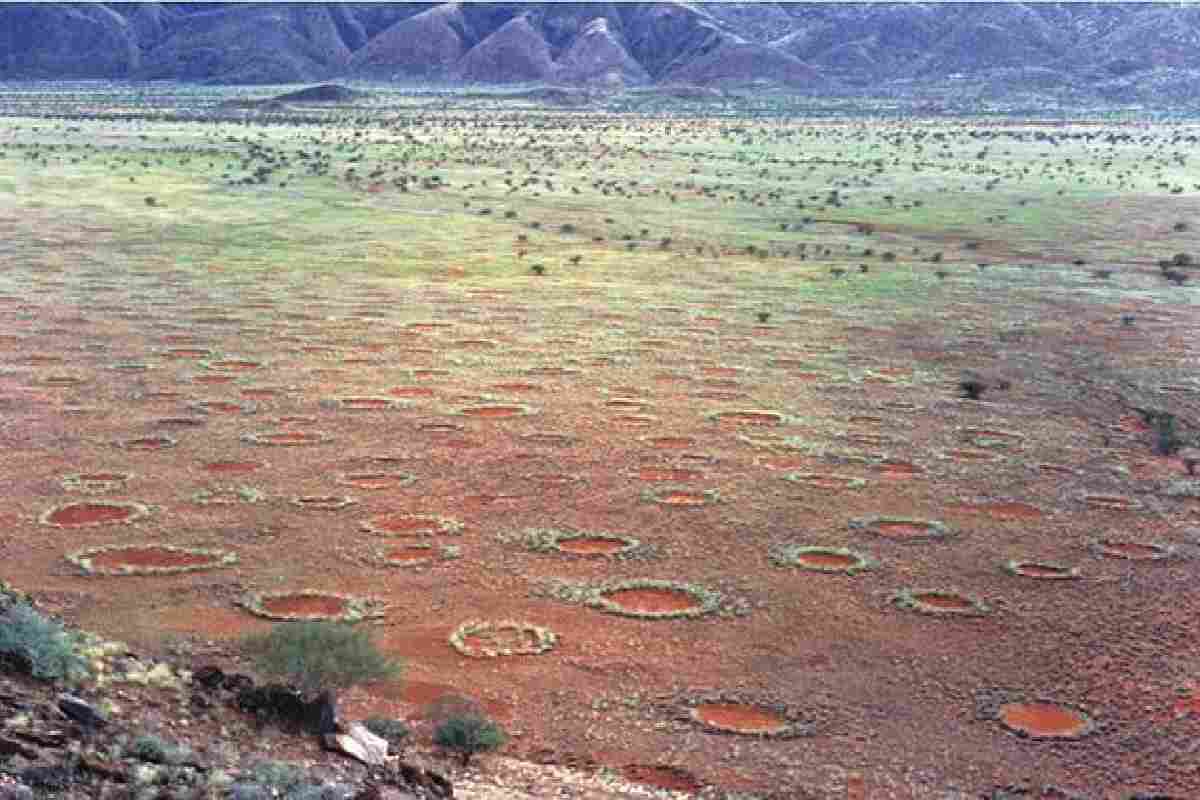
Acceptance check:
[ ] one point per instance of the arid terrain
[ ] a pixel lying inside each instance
(807, 456)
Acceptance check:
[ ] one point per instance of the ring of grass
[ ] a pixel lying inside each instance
(1061, 573)
(140, 444)
(1159, 550)
(707, 600)
(83, 560)
(222, 364)
(357, 608)
(549, 439)
(206, 406)
(310, 502)
(808, 479)
(659, 494)
(474, 411)
(228, 495)
(395, 480)
(439, 525)
(749, 417)
(376, 556)
(991, 438)
(934, 529)
(263, 439)
(549, 540)
(908, 599)
(90, 484)
(797, 723)
(544, 639)
(791, 555)
(138, 512)
(378, 403)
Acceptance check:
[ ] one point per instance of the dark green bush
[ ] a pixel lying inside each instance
(395, 731)
(468, 734)
(319, 655)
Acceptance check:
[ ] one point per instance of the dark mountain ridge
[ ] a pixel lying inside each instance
(1104, 48)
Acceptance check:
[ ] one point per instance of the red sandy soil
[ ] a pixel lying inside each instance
(591, 545)
(147, 557)
(300, 605)
(656, 601)
(1043, 720)
(827, 560)
(739, 717)
(897, 698)
(90, 514)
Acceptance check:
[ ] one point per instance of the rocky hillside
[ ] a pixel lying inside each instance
(1110, 50)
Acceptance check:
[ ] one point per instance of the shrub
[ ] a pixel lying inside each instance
(395, 731)
(40, 645)
(468, 734)
(154, 749)
(278, 776)
(320, 656)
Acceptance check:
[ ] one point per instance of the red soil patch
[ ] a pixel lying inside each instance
(290, 437)
(652, 601)
(440, 428)
(410, 391)
(723, 372)
(212, 379)
(943, 601)
(187, 352)
(827, 560)
(408, 555)
(1109, 502)
(305, 605)
(232, 467)
(672, 779)
(405, 524)
(635, 420)
(259, 394)
(625, 403)
(766, 418)
(817, 481)
(79, 514)
(516, 387)
(1004, 511)
(148, 557)
(1131, 550)
(682, 498)
(670, 442)
(904, 530)
(221, 406)
(1031, 569)
(592, 545)
(376, 480)
(493, 412)
(739, 718)
(1044, 720)
(102, 477)
(899, 470)
(669, 474)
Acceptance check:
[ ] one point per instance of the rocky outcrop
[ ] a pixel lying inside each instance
(516, 53)
(597, 56)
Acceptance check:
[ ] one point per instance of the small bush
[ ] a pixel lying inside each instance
(154, 749)
(320, 655)
(278, 776)
(395, 731)
(468, 734)
(40, 645)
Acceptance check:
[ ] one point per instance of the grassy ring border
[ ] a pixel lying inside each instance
(906, 599)
(141, 512)
(73, 483)
(357, 608)
(343, 501)
(257, 439)
(82, 559)
(1013, 567)
(546, 638)
(709, 601)
(938, 530)
(445, 525)
(787, 555)
(853, 484)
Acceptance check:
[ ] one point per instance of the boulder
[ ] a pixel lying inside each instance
(358, 743)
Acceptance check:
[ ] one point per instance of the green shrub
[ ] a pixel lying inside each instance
(468, 734)
(278, 776)
(395, 731)
(39, 644)
(316, 656)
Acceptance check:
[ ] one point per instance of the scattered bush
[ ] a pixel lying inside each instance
(39, 645)
(467, 735)
(320, 656)
(394, 730)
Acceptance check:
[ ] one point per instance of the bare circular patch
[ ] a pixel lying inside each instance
(147, 444)
(753, 418)
(939, 602)
(1132, 551)
(93, 514)
(286, 438)
(496, 411)
(312, 605)
(682, 497)
(151, 559)
(655, 599)
(411, 391)
(902, 529)
(375, 481)
(233, 467)
(1044, 720)
(825, 481)
(1041, 570)
(402, 524)
(740, 718)
(314, 502)
(820, 559)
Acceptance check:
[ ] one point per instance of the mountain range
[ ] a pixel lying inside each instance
(1122, 50)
